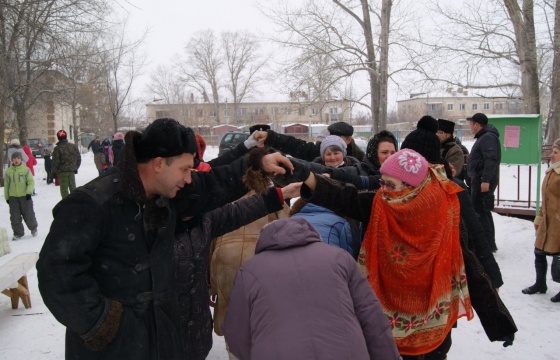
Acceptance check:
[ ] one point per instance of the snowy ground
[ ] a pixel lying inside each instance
(35, 334)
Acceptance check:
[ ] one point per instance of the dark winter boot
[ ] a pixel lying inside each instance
(539, 286)
(555, 298)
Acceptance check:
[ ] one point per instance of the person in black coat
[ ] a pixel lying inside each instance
(48, 168)
(483, 168)
(118, 145)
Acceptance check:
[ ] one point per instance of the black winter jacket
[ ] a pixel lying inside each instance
(192, 254)
(486, 155)
(302, 149)
(106, 269)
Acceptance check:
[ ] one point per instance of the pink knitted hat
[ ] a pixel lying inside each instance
(406, 165)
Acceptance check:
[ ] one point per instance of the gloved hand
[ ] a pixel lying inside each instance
(508, 340)
(28, 197)
(251, 142)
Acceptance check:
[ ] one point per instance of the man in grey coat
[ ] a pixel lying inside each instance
(299, 298)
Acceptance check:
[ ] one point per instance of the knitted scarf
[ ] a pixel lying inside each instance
(413, 261)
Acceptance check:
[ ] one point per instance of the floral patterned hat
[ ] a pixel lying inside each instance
(406, 165)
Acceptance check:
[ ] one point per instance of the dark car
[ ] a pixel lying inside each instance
(231, 140)
(39, 147)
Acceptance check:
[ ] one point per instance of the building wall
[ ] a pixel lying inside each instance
(454, 108)
(280, 113)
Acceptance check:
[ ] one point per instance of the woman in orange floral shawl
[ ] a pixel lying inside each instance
(412, 254)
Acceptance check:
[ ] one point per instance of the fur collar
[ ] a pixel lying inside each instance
(131, 184)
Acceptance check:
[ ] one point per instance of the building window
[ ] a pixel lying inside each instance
(71, 132)
(241, 111)
(301, 111)
(449, 107)
(432, 107)
(314, 111)
(333, 110)
(498, 106)
(259, 111)
(486, 106)
(226, 112)
(287, 111)
(213, 113)
(275, 110)
(475, 106)
(161, 114)
(462, 107)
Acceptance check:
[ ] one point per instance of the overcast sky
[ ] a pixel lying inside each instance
(171, 23)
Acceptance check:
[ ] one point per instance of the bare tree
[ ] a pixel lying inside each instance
(481, 45)
(243, 62)
(201, 70)
(123, 63)
(165, 84)
(347, 37)
(30, 33)
(553, 131)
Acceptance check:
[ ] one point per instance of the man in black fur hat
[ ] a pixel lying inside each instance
(450, 150)
(106, 270)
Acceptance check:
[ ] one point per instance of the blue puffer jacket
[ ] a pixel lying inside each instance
(334, 230)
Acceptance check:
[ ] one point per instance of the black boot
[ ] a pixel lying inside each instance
(555, 298)
(540, 285)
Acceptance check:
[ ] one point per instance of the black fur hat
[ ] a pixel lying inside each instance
(446, 126)
(164, 138)
(259, 127)
(424, 140)
(341, 129)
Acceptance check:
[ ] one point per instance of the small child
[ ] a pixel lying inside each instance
(18, 186)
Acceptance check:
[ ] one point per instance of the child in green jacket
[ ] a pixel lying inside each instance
(18, 187)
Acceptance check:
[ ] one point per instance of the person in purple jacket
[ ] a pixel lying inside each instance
(299, 298)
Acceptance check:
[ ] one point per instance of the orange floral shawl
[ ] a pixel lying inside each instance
(413, 261)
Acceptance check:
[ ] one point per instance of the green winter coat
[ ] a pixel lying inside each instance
(66, 157)
(18, 181)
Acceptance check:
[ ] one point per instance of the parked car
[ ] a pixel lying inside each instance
(39, 147)
(231, 140)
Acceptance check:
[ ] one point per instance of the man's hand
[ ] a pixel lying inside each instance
(271, 163)
(252, 142)
(292, 190)
(260, 136)
(453, 171)
(484, 187)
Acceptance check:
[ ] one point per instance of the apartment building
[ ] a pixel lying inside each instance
(198, 115)
(455, 105)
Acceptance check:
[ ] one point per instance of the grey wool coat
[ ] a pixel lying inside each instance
(299, 298)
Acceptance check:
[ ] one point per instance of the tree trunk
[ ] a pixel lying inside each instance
(524, 28)
(372, 68)
(553, 130)
(19, 107)
(2, 130)
(384, 62)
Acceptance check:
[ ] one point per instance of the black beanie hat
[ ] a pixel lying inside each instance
(164, 138)
(424, 140)
(446, 126)
(341, 129)
(373, 145)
